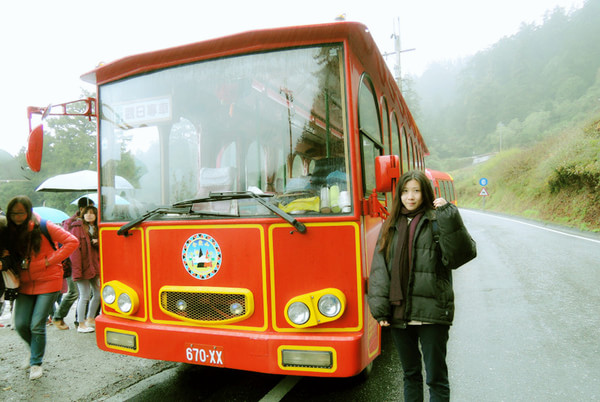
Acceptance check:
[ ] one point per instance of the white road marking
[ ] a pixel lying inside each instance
(535, 226)
(281, 389)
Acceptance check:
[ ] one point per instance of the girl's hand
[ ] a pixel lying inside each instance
(438, 202)
(384, 323)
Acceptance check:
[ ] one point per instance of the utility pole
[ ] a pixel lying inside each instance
(396, 36)
(397, 51)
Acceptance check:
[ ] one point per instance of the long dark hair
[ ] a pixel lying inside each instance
(86, 225)
(26, 237)
(390, 224)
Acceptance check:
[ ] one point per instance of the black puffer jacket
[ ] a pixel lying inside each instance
(430, 295)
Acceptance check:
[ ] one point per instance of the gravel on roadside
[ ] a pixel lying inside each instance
(75, 369)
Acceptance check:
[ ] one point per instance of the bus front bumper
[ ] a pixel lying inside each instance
(340, 354)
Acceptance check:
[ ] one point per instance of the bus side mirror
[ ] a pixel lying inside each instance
(35, 145)
(387, 172)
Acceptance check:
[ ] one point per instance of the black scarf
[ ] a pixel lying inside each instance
(402, 261)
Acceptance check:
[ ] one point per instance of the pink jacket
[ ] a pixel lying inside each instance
(86, 258)
(39, 278)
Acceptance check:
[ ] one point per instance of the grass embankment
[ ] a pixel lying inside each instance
(557, 181)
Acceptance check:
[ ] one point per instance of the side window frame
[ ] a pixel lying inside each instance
(369, 124)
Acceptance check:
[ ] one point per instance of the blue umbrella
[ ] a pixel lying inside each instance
(51, 214)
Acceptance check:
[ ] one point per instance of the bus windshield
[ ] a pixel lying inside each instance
(271, 123)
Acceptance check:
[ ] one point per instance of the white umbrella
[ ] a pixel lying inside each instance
(94, 197)
(10, 169)
(83, 180)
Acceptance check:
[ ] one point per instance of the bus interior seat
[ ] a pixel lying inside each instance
(329, 171)
(214, 180)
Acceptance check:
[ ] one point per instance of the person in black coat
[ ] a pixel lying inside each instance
(410, 283)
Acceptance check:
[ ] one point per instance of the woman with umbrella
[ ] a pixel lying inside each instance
(41, 274)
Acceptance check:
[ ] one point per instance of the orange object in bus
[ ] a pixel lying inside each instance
(443, 185)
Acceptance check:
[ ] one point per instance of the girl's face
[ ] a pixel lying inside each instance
(18, 214)
(89, 216)
(411, 196)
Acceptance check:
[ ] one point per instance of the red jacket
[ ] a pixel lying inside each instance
(39, 278)
(86, 258)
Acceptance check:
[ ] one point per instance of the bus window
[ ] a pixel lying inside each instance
(405, 154)
(369, 152)
(283, 110)
(368, 122)
(386, 125)
(395, 137)
(411, 154)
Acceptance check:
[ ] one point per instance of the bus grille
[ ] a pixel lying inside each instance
(207, 306)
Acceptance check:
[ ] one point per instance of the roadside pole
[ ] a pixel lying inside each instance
(483, 193)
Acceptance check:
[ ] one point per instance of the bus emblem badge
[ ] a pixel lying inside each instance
(201, 256)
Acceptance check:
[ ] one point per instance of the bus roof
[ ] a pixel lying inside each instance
(355, 34)
(436, 174)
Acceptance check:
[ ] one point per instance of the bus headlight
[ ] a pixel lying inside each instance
(120, 297)
(124, 303)
(108, 294)
(329, 305)
(315, 308)
(298, 313)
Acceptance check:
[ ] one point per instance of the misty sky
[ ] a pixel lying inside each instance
(47, 46)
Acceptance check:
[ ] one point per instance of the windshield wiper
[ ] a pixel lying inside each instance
(237, 195)
(175, 209)
(124, 230)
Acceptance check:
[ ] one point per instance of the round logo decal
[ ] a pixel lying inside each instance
(201, 256)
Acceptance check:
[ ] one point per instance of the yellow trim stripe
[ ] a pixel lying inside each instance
(145, 295)
(204, 227)
(359, 297)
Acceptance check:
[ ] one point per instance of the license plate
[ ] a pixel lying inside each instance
(204, 354)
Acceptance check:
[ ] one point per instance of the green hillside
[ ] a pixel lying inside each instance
(556, 180)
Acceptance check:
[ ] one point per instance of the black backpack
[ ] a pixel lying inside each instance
(66, 263)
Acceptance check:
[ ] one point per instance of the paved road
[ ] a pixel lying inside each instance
(527, 323)
(526, 329)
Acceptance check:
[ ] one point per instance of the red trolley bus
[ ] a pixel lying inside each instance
(257, 169)
(443, 184)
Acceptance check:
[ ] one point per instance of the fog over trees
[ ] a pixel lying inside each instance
(515, 93)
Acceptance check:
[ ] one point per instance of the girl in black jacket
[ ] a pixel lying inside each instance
(410, 284)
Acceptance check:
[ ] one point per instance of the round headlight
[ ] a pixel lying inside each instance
(236, 308)
(298, 313)
(124, 303)
(108, 294)
(329, 305)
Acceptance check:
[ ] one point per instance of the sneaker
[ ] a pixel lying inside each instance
(35, 372)
(85, 329)
(60, 324)
(90, 322)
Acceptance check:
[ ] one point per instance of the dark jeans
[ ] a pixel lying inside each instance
(67, 300)
(433, 339)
